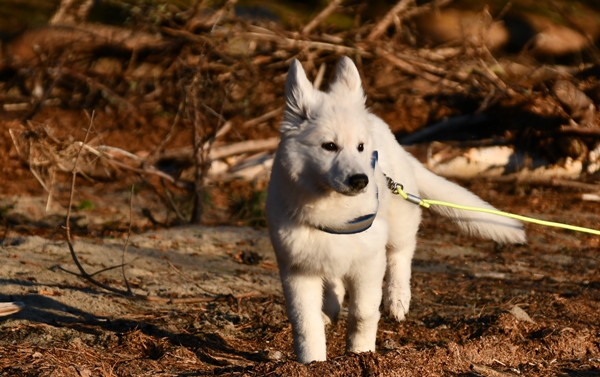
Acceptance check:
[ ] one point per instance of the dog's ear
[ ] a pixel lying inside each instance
(299, 92)
(347, 80)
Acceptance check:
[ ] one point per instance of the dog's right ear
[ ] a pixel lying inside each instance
(299, 91)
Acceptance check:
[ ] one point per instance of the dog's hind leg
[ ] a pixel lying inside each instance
(400, 250)
(333, 297)
(303, 296)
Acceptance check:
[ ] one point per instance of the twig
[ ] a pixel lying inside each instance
(83, 272)
(551, 182)
(61, 16)
(172, 201)
(411, 70)
(578, 130)
(590, 197)
(330, 8)
(248, 146)
(425, 8)
(319, 78)
(95, 272)
(490, 75)
(190, 280)
(187, 35)
(196, 300)
(299, 43)
(72, 193)
(127, 243)
(37, 105)
(152, 157)
(387, 20)
(148, 170)
(422, 63)
(263, 118)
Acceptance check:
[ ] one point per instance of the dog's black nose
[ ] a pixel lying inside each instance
(358, 181)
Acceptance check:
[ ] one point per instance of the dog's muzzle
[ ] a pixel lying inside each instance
(361, 223)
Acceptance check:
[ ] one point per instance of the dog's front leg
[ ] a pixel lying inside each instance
(365, 293)
(304, 298)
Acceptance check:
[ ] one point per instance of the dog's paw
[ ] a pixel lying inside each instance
(397, 302)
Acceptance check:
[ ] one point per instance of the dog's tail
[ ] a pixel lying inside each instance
(497, 228)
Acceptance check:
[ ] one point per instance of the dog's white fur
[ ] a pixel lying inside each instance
(310, 189)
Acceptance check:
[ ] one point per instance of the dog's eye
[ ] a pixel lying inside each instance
(361, 147)
(329, 147)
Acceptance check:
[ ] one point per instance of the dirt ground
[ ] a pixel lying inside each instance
(207, 298)
(478, 309)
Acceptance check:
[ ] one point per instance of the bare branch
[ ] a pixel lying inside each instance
(329, 9)
(387, 20)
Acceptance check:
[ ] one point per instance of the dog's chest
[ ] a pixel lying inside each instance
(314, 251)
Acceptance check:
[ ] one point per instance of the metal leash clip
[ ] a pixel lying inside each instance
(393, 186)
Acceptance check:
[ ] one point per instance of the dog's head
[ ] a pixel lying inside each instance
(325, 136)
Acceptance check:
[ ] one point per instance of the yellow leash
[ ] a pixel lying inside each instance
(426, 203)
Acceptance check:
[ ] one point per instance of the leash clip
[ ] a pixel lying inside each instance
(393, 186)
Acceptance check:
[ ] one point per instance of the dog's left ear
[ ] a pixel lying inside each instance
(347, 80)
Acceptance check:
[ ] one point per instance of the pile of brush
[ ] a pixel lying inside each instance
(218, 79)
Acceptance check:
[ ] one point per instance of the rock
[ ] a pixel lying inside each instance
(270, 355)
(521, 314)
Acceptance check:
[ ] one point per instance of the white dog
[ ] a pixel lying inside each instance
(335, 225)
